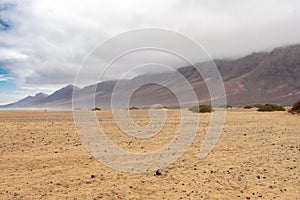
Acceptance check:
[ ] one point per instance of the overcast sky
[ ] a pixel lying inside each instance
(44, 42)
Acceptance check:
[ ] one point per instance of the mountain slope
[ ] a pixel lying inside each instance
(29, 100)
(256, 78)
(62, 98)
(275, 79)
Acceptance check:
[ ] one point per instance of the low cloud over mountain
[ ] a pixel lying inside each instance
(262, 77)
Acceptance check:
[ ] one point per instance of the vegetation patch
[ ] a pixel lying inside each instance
(296, 108)
(271, 108)
(134, 108)
(226, 106)
(96, 109)
(253, 106)
(162, 107)
(201, 109)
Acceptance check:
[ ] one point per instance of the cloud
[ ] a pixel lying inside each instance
(11, 54)
(45, 42)
(4, 78)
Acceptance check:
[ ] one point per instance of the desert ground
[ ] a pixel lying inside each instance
(256, 157)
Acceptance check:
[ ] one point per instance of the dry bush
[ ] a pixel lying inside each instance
(271, 108)
(296, 108)
(201, 109)
(96, 108)
(133, 108)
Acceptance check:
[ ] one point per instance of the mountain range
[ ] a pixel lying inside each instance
(263, 77)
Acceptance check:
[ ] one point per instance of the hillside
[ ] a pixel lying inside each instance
(261, 77)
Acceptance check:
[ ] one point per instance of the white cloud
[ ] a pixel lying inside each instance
(4, 78)
(11, 54)
(49, 39)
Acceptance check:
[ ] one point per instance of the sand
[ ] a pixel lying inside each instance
(256, 157)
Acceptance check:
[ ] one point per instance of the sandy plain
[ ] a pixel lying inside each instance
(256, 157)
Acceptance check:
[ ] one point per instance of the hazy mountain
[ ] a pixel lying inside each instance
(62, 98)
(256, 78)
(263, 77)
(27, 101)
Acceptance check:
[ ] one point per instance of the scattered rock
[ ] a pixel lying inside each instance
(93, 176)
(158, 172)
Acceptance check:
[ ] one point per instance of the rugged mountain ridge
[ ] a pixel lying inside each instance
(256, 78)
(27, 101)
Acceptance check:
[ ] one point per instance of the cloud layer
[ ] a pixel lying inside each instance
(43, 43)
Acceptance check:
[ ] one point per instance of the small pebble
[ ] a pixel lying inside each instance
(158, 172)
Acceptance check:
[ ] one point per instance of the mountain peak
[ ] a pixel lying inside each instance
(261, 77)
(29, 100)
(70, 86)
(41, 94)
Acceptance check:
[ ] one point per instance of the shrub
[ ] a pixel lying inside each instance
(253, 106)
(96, 108)
(226, 106)
(257, 105)
(296, 108)
(157, 106)
(133, 108)
(201, 109)
(271, 108)
(161, 107)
